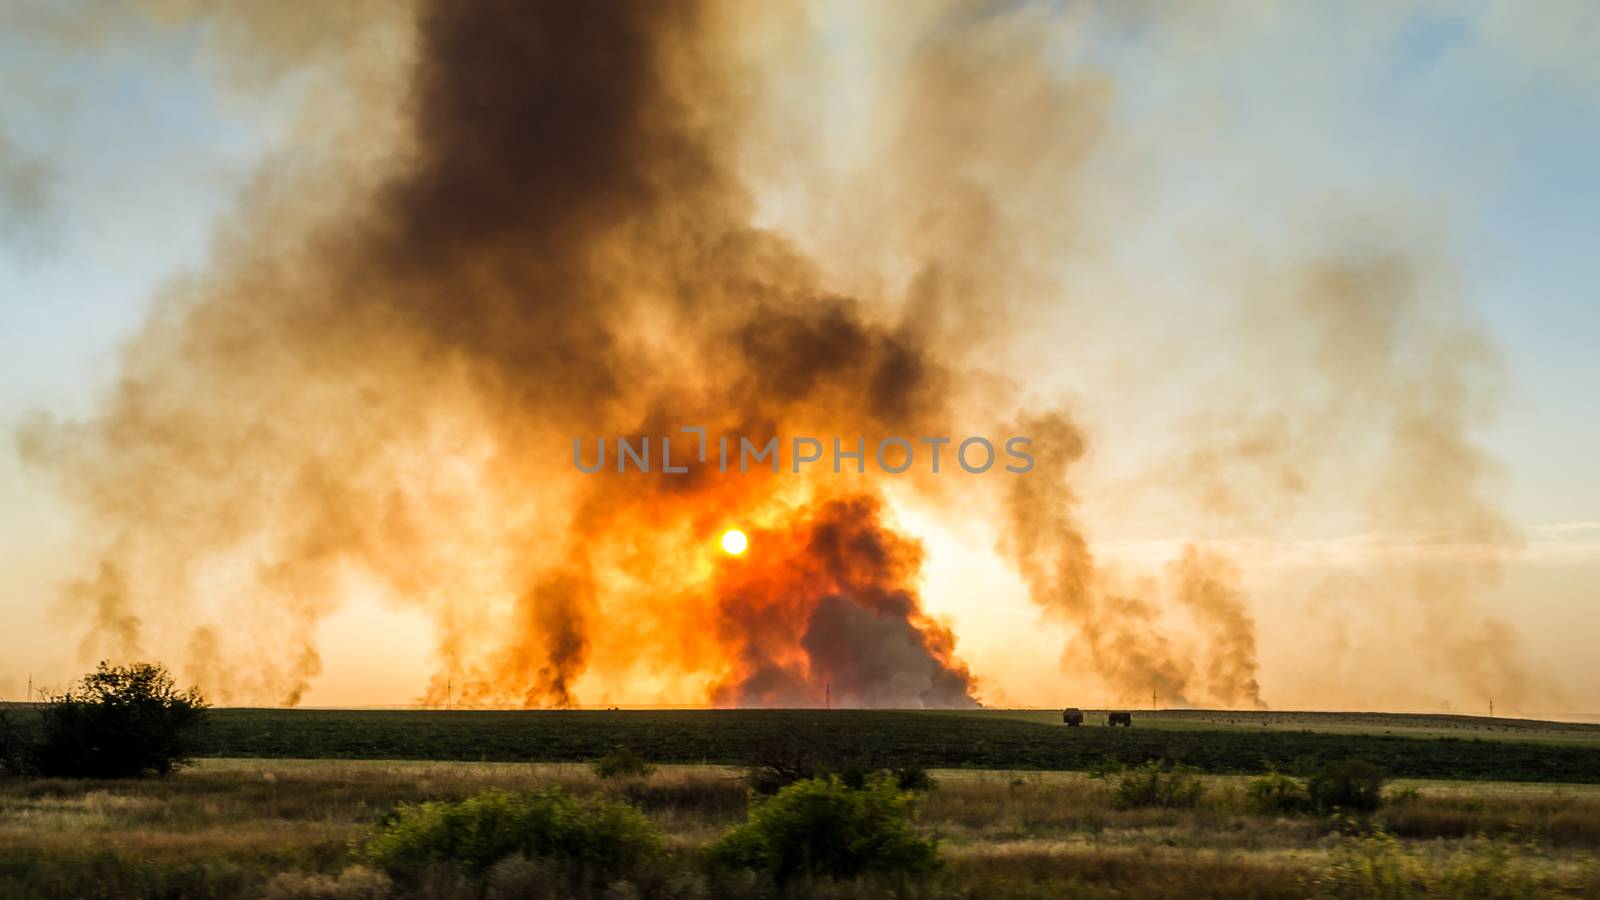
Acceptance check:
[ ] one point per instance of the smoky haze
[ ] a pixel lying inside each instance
(539, 229)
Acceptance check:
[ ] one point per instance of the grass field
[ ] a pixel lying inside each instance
(1229, 743)
(283, 828)
(1480, 808)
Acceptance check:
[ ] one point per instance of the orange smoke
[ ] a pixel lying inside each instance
(826, 603)
(375, 385)
(377, 389)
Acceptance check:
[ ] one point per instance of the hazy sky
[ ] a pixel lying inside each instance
(1474, 126)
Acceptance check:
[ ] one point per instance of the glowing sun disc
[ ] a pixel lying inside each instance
(734, 542)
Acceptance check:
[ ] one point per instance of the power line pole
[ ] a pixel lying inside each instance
(827, 696)
(1152, 699)
(1491, 707)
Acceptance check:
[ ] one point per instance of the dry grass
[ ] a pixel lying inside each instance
(226, 827)
(1556, 817)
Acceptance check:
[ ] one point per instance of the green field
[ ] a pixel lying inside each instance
(1410, 747)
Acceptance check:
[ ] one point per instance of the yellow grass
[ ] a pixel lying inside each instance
(266, 816)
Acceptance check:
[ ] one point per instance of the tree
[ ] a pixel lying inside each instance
(120, 722)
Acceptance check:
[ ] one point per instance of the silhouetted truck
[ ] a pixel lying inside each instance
(1073, 717)
(1121, 718)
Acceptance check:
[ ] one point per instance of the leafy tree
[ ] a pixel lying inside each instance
(120, 722)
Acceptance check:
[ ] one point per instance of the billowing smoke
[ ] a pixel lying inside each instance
(530, 227)
(832, 616)
(383, 401)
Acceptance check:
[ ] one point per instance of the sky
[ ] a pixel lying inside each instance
(1470, 129)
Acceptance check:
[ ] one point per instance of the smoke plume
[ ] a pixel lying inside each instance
(383, 401)
(528, 222)
(832, 615)
(1123, 637)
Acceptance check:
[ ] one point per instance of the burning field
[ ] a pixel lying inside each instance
(513, 228)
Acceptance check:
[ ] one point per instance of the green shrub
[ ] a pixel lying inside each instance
(766, 780)
(1276, 794)
(779, 770)
(592, 836)
(1403, 795)
(1375, 867)
(913, 777)
(1351, 786)
(120, 722)
(821, 827)
(622, 763)
(781, 764)
(1491, 869)
(1158, 783)
(1379, 866)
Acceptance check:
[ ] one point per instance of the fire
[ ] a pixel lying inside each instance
(832, 601)
(734, 542)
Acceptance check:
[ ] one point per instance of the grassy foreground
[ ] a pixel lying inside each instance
(284, 828)
(1542, 752)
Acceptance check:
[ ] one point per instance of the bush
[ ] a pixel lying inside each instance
(1276, 794)
(1491, 869)
(15, 754)
(820, 827)
(913, 777)
(120, 722)
(1403, 795)
(622, 763)
(1350, 786)
(1380, 866)
(593, 837)
(1158, 783)
(1376, 866)
(779, 765)
(776, 764)
(784, 764)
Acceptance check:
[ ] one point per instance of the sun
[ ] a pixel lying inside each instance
(734, 542)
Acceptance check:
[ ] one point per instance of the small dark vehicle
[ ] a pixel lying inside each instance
(1120, 718)
(1073, 717)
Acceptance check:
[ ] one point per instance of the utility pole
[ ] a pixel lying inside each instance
(827, 696)
(447, 701)
(1152, 699)
(1491, 707)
